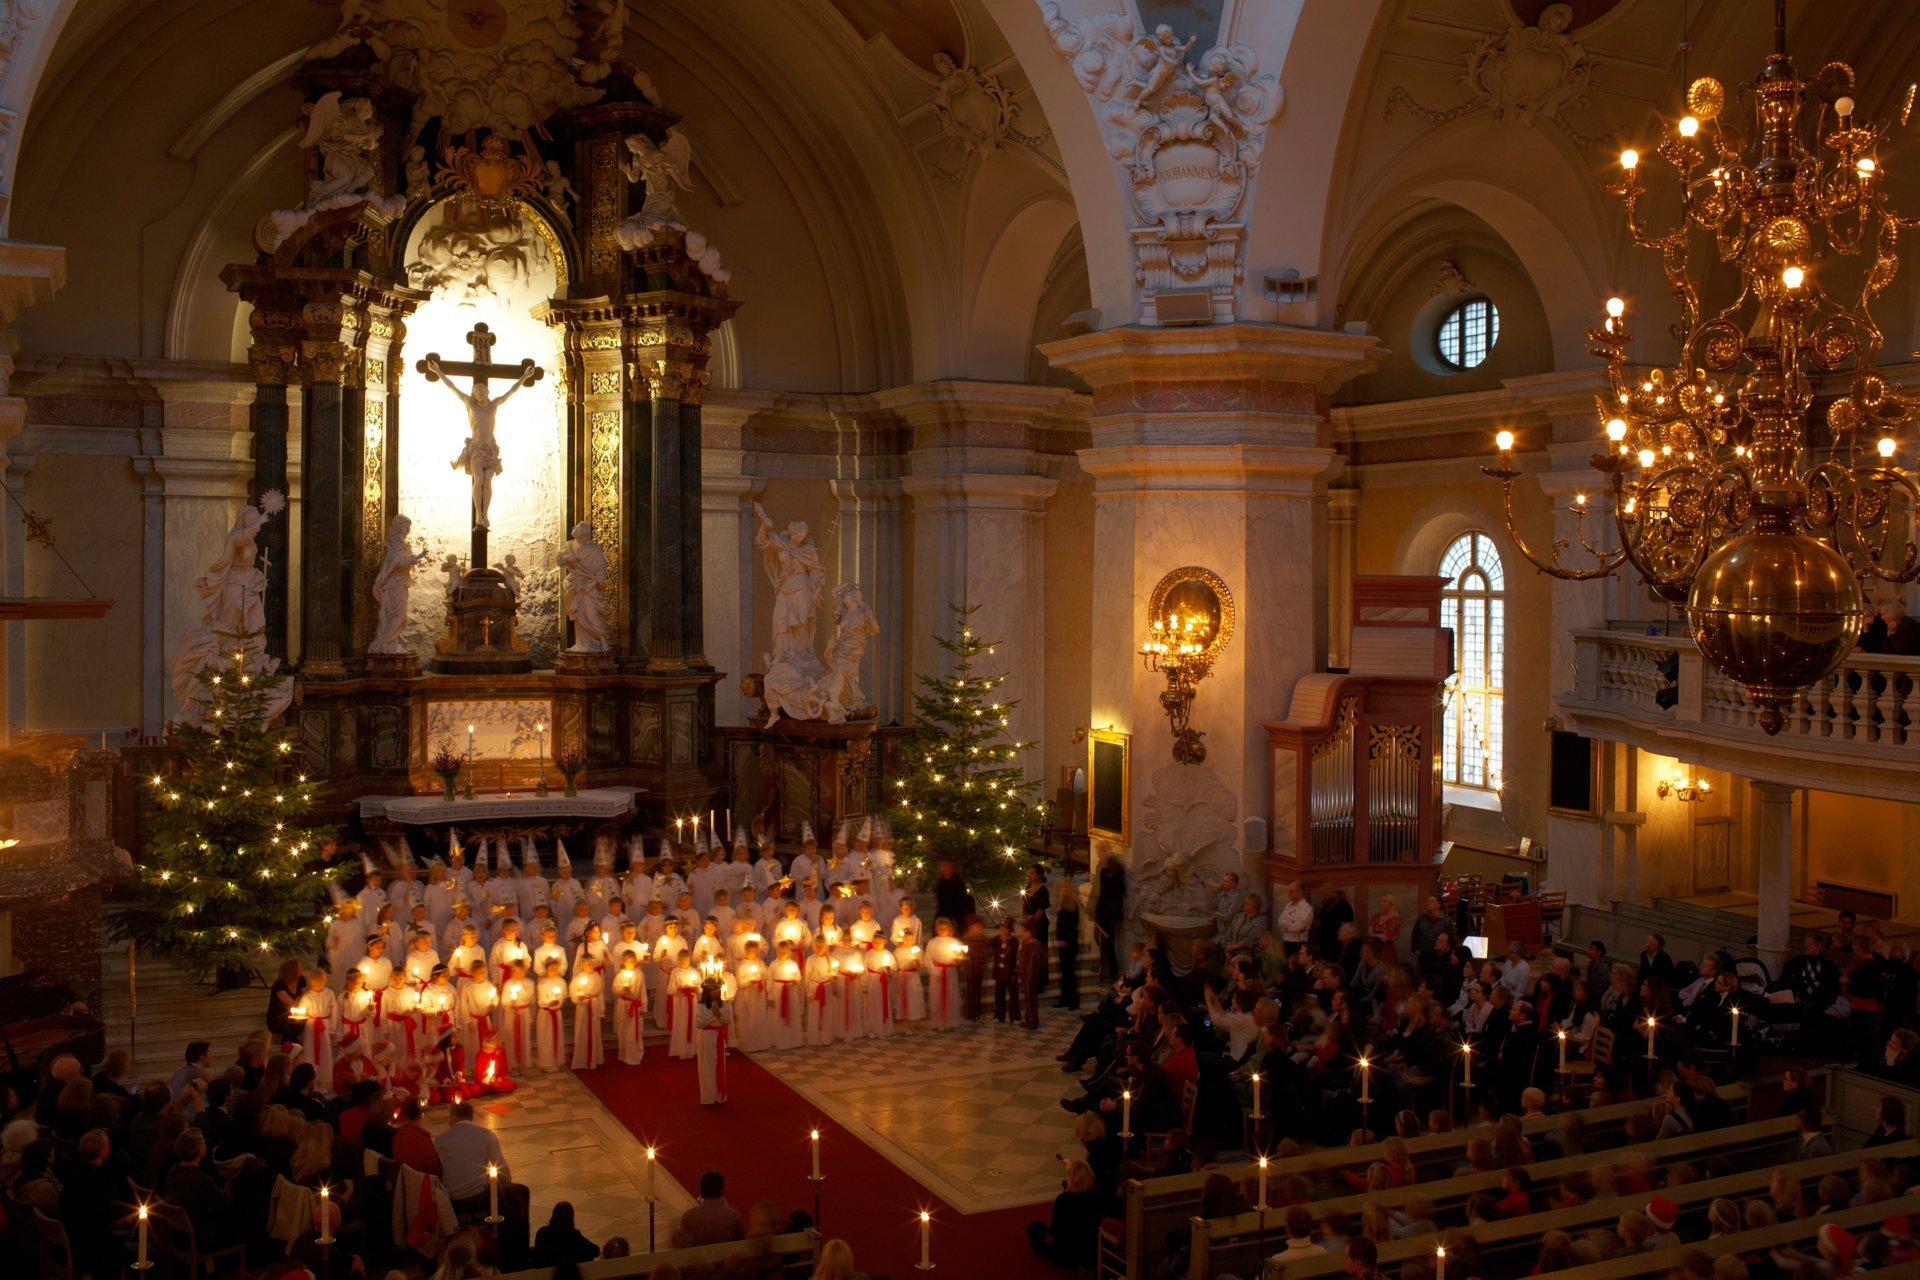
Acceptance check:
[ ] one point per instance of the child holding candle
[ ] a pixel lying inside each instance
(945, 954)
(876, 993)
(436, 1004)
(714, 1020)
(421, 960)
(818, 976)
(683, 988)
(751, 1019)
(473, 1010)
(516, 1017)
(508, 951)
(318, 1015)
(469, 952)
(628, 944)
(629, 1008)
(377, 970)
(907, 938)
(667, 954)
(588, 993)
(849, 969)
(550, 996)
(399, 1010)
(793, 930)
(356, 1007)
(786, 1010)
(709, 946)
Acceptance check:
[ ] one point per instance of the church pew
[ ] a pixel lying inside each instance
(1152, 1207)
(1798, 1234)
(1853, 1096)
(1523, 1234)
(1229, 1244)
(798, 1252)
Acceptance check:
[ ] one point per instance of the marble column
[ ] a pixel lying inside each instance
(670, 504)
(1210, 449)
(1773, 865)
(1343, 510)
(272, 357)
(731, 565)
(323, 553)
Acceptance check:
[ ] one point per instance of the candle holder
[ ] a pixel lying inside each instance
(816, 1179)
(494, 1220)
(651, 1202)
(923, 1266)
(148, 1265)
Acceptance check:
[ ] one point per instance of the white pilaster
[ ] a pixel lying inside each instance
(1773, 866)
(870, 554)
(727, 575)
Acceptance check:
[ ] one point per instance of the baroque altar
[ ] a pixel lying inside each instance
(500, 326)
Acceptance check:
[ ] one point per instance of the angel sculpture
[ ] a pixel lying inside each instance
(1217, 85)
(660, 168)
(559, 191)
(348, 136)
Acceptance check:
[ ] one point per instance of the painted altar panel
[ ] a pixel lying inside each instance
(503, 728)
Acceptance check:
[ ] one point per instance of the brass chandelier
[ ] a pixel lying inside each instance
(1716, 494)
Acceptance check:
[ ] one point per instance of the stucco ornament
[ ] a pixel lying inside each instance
(483, 64)
(1187, 842)
(977, 113)
(347, 135)
(664, 170)
(390, 586)
(1190, 134)
(1524, 74)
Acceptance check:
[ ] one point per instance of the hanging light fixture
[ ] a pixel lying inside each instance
(1685, 788)
(1714, 497)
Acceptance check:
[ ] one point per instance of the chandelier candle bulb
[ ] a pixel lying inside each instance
(1616, 307)
(1504, 441)
(1886, 446)
(1793, 277)
(1617, 429)
(1629, 159)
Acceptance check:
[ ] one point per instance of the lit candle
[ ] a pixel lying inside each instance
(141, 1263)
(815, 1137)
(469, 742)
(1736, 1026)
(1649, 1037)
(1263, 1184)
(326, 1216)
(926, 1240)
(1366, 1082)
(1256, 1095)
(1440, 1262)
(1466, 1051)
(652, 1168)
(541, 729)
(1126, 1113)
(1562, 1033)
(493, 1191)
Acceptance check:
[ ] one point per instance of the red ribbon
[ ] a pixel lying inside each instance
(379, 1005)
(353, 1030)
(786, 990)
(886, 995)
(407, 1019)
(553, 1018)
(633, 1014)
(519, 1040)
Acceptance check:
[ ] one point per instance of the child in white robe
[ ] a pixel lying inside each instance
(666, 958)
(508, 951)
(399, 1012)
(473, 1012)
(865, 928)
(468, 953)
(629, 1007)
(593, 946)
(876, 993)
(810, 904)
(516, 1017)
(944, 955)
(346, 935)
(723, 914)
(549, 1036)
(421, 961)
(793, 930)
(576, 928)
(688, 915)
(909, 997)
(849, 971)
(588, 993)
(786, 1001)
(818, 976)
(683, 990)
(436, 1007)
(629, 942)
(714, 1019)
(549, 949)
(653, 924)
(439, 896)
(751, 1029)
(318, 1012)
(709, 945)
(737, 941)
(610, 923)
(456, 927)
(356, 1009)
(828, 927)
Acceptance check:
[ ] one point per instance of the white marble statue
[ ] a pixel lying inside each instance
(662, 168)
(456, 574)
(419, 174)
(233, 618)
(840, 693)
(583, 566)
(480, 457)
(390, 586)
(559, 192)
(516, 576)
(347, 135)
(793, 566)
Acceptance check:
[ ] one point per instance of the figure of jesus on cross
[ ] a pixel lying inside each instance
(480, 459)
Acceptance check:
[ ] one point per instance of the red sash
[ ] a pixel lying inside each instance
(407, 1020)
(820, 998)
(786, 991)
(633, 1014)
(886, 995)
(353, 1026)
(553, 1019)
(519, 1037)
(941, 979)
(379, 1006)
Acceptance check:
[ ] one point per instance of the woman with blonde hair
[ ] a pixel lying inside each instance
(836, 1262)
(1376, 1222)
(1723, 1219)
(313, 1155)
(1633, 1229)
(1789, 1201)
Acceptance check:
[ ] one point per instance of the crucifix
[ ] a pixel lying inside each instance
(480, 458)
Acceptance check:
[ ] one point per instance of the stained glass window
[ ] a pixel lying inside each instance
(1473, 603)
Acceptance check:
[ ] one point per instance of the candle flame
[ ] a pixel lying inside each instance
(925, 1216)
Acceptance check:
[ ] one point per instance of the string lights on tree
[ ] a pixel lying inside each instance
(962, 794)
(231, 871)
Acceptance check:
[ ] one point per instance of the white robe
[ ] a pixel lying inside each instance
(819, 993)
(714, 1024)
(439, 896)
(753, 1032)
(319, 1029)
(588, 993)
(629, 1014)
(400, 1013)
(945, 956)
(876, 995)
(786, 1005)
(683, 996)
(515, 1018)
(473, 1017)
(563, 894)
(850, 970)
(346, 943)
(909, 995)
(549, 1033)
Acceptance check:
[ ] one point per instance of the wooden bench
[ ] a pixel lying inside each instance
(1522, 1235)
(1153, 1207)
(1853, 1096)
(1232, 1244)
(798, 1253)
(1797, 1234)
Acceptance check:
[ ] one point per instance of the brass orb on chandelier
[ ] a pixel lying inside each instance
(1712, 492)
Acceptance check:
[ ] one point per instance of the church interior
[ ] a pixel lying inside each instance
(1137, 639)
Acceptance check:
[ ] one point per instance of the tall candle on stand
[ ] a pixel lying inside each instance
(1126, 1113)
(326, 1217)
(926, 1240)
(1366, 1082)
(140, 1264)
(1263, 1184)
(652, 1167)
(493, 1191)
(1466, 1051)
(1440, 1262)
(1736, 1026)
(1256, 1095)
(1649, 1037)
(1563, 1050)
(815, 1138)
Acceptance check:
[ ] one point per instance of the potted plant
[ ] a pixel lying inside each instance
(570, 761)
(447, 763)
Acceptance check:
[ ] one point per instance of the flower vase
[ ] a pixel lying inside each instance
(572, 784)
(446, 781)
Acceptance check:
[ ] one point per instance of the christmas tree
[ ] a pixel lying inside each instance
(962, 796)
(231, 872)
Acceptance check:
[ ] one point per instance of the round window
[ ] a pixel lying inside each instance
(1467, 333)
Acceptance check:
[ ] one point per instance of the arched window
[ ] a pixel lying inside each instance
(1474, 604)
(1467, 333)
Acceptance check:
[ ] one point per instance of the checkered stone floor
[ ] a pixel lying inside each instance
(973, 1114)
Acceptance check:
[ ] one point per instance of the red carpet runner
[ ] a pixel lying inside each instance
(759, 1140)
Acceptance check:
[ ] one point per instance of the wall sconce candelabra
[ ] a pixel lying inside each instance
(1189, 621)
(1684, 788)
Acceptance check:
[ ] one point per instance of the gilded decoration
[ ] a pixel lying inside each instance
(1386, 739)
(376, 373)
(603, 212)
(373, 492)
(604, 382)
(604, 427)
(607, 340)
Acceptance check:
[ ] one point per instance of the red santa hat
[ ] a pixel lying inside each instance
(560, 858)
(1663, 1213)
(1838, 1241)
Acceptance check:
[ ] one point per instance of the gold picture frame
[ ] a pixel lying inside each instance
(1110, 785)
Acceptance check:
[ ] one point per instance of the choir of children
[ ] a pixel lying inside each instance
(722, 953)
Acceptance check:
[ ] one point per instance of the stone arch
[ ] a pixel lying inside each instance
(1012, 279)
